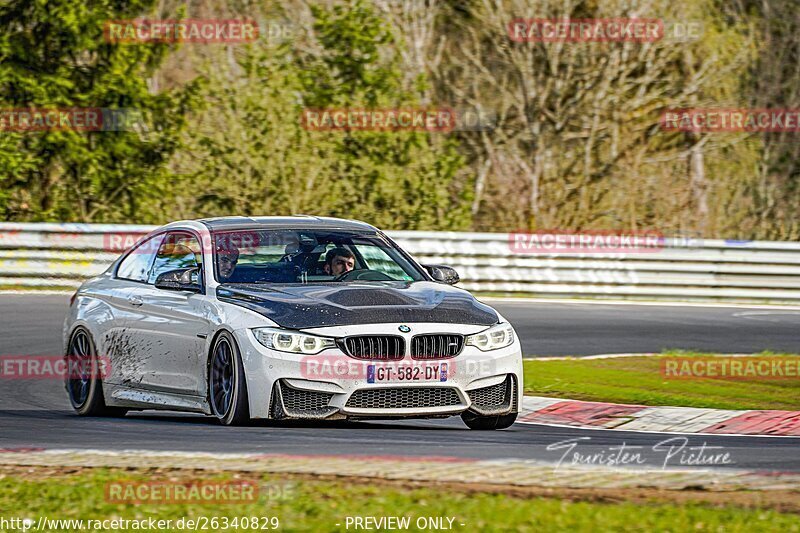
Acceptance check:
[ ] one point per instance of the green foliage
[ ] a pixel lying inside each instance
(350, 69)
(250, 154)
(53, 55)
(577, 143)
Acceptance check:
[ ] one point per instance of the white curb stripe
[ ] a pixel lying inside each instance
(677, 420)
(686, 419)
(531, 404)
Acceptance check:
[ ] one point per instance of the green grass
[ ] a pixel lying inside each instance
(320, 505)
(639, 380)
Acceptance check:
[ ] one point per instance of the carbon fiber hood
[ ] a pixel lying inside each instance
(345, 304)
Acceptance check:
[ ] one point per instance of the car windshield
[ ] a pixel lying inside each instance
(308, 256)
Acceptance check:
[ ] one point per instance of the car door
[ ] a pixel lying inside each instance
(124, 299)
(172, 325)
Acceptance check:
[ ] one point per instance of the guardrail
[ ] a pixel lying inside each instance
(61, 255)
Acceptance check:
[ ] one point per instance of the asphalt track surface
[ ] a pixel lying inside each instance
(599, 328)
(35, 413)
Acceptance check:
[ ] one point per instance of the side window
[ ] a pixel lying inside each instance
(179, 251)
(136, 266)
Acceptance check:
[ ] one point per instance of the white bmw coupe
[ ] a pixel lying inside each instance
(287, 318)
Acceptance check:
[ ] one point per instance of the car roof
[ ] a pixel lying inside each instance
(286, 222)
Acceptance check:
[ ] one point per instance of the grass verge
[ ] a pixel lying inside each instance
(304, 504)
(640, 380)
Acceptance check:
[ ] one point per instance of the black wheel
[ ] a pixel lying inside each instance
(227, 388)
(484, 423)
(84, 386)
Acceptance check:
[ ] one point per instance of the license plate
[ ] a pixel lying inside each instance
(406, 373)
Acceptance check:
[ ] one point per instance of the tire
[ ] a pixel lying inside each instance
(227, 386)
(485, 423)
(83, 383)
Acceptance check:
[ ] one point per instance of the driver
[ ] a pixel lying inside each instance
(339, 261)
(227, 257)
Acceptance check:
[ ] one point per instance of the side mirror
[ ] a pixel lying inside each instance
(442, 274)
(182, 279)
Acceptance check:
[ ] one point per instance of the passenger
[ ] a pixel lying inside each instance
(227, 257)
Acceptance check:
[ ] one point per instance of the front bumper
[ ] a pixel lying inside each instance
(332, 385)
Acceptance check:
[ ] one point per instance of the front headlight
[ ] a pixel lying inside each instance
(292, 342)
(496, 337)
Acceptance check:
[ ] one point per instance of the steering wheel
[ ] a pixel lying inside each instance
(363, 274)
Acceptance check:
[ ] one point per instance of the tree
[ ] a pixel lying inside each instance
(53, 55)
(249, 153)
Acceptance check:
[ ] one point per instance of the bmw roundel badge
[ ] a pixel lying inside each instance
(404, 328)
